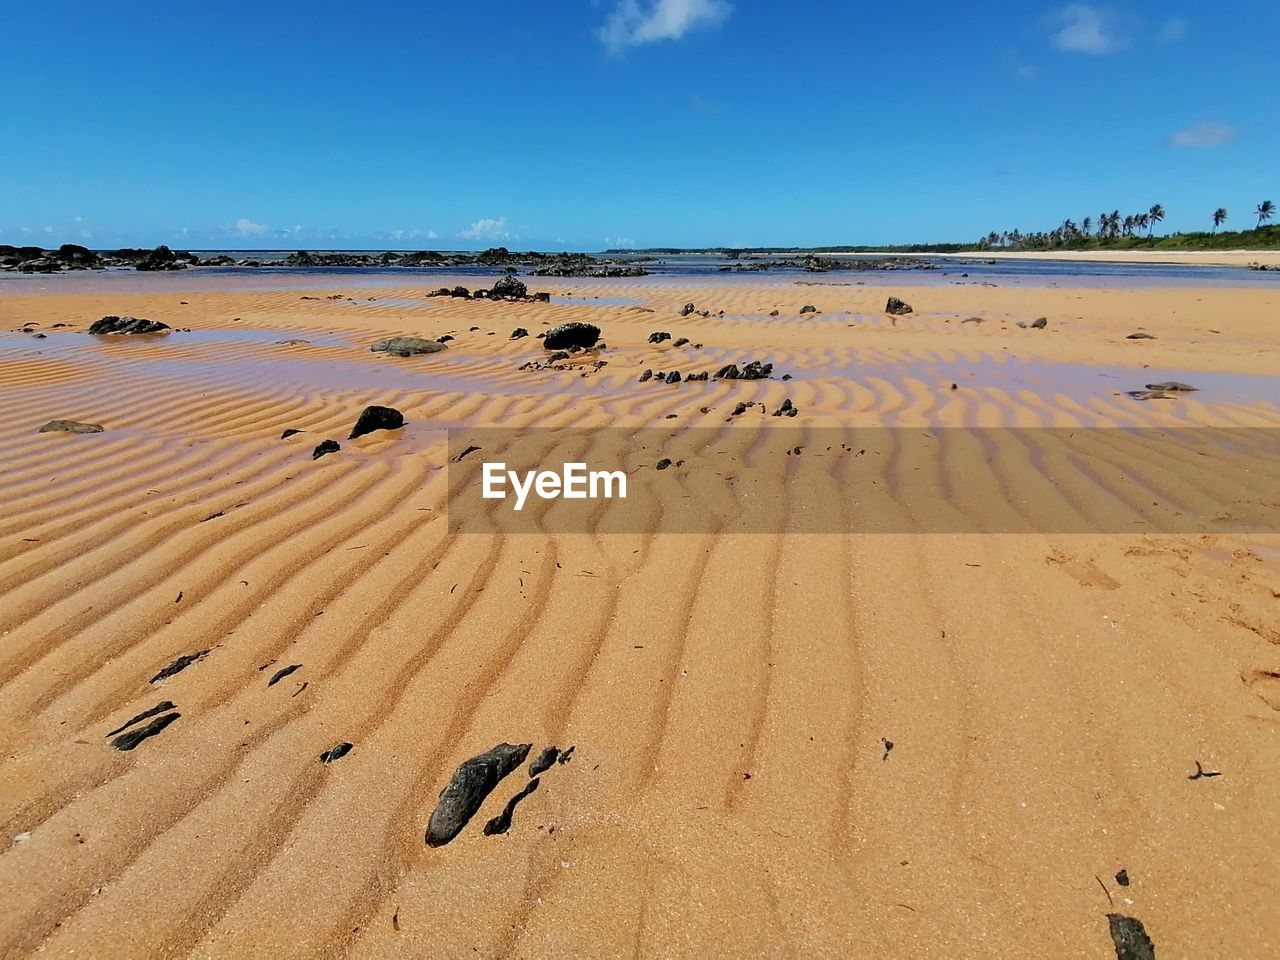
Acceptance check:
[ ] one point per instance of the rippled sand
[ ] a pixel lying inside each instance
(729, 696)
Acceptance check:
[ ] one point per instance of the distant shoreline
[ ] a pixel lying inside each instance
(1208, 258)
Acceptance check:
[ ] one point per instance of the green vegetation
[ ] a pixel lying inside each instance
(1110, 231)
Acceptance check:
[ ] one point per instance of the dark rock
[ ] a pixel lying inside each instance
(462, 292)
(158, 708)
(1122, 878)
(126, 325)
(663, 464)
(729, 371)
(558, 356)
(40, 265)
(407, 346)
(808, 308)
(1139, 336)
(544, 761)
(326, 446)
(1173, 386)
(786, 410)
(687, 309)
(502, 822)
(1130, 938)
(127, 741)
(573, 334)
(509, 287)
(755, 370)
(282, 673)
(681, 342)
(376, 418)
(697, 376)
(566, 755)
(445, 339)
(740, 409)
(70, 426)
(897, 307)
(658, 336)
(973, 320)
(178, 665)
(289, 433)
(162, 258)
(541, 297)
(519, 333)
(336, 752)
(1039, 323)
(647, 375)
(673, 376)
(472, 782)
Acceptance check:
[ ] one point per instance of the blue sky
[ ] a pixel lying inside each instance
(594, 123)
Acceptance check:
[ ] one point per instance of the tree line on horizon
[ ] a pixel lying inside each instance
(1107, 227)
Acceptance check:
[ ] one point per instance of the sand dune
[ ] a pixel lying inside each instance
(730, 697)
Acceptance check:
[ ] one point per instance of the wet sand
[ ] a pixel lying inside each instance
(730, 698)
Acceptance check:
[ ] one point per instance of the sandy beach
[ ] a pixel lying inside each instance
(917, 744)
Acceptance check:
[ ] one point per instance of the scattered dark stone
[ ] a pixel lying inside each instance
(1139, 336)
(808, 308)
(955, 386)
(126, 325)
(558, 356)
(888, 746)
(658, 336)
(566, 755)
(70, 426)
(39, 336)
(509, 287)
(1201, 772)
(897, 307)
(573, 334)
(786, 410)
(973, 320)
(1149, 395)
(673, 376)
(541, 296)
(773, 313)
(740, 409)
(127, 741)
(325, 446)
(407, 346)
(376, 418)
(663, 463)
(158, 708)
(291, 432)
(647, 375)
(470, 449)
(178, 665)
(681, 342)
(472, 329)
(755, 370)
(282, 673)
(1039, 323)
(445, 339)
(697, 376)
(729, 371)
(462, 292)
(474, 780)
(502, 822)
(1122, 878)
(1130, 938)
(687, 309)
(1172, 386)
(336, 752)
(518, 333)
(544, 761)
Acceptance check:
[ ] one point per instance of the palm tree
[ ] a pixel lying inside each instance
(1155, 215)
(1219, 218)
(1265, 209)
(1086, 225)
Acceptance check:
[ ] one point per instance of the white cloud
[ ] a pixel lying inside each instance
(1202, 135)
(487, 228)
(247, 228)
(1086, 29)
(1171, 31)
(635, 22)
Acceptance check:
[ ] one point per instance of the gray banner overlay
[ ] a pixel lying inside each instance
(786, 478)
